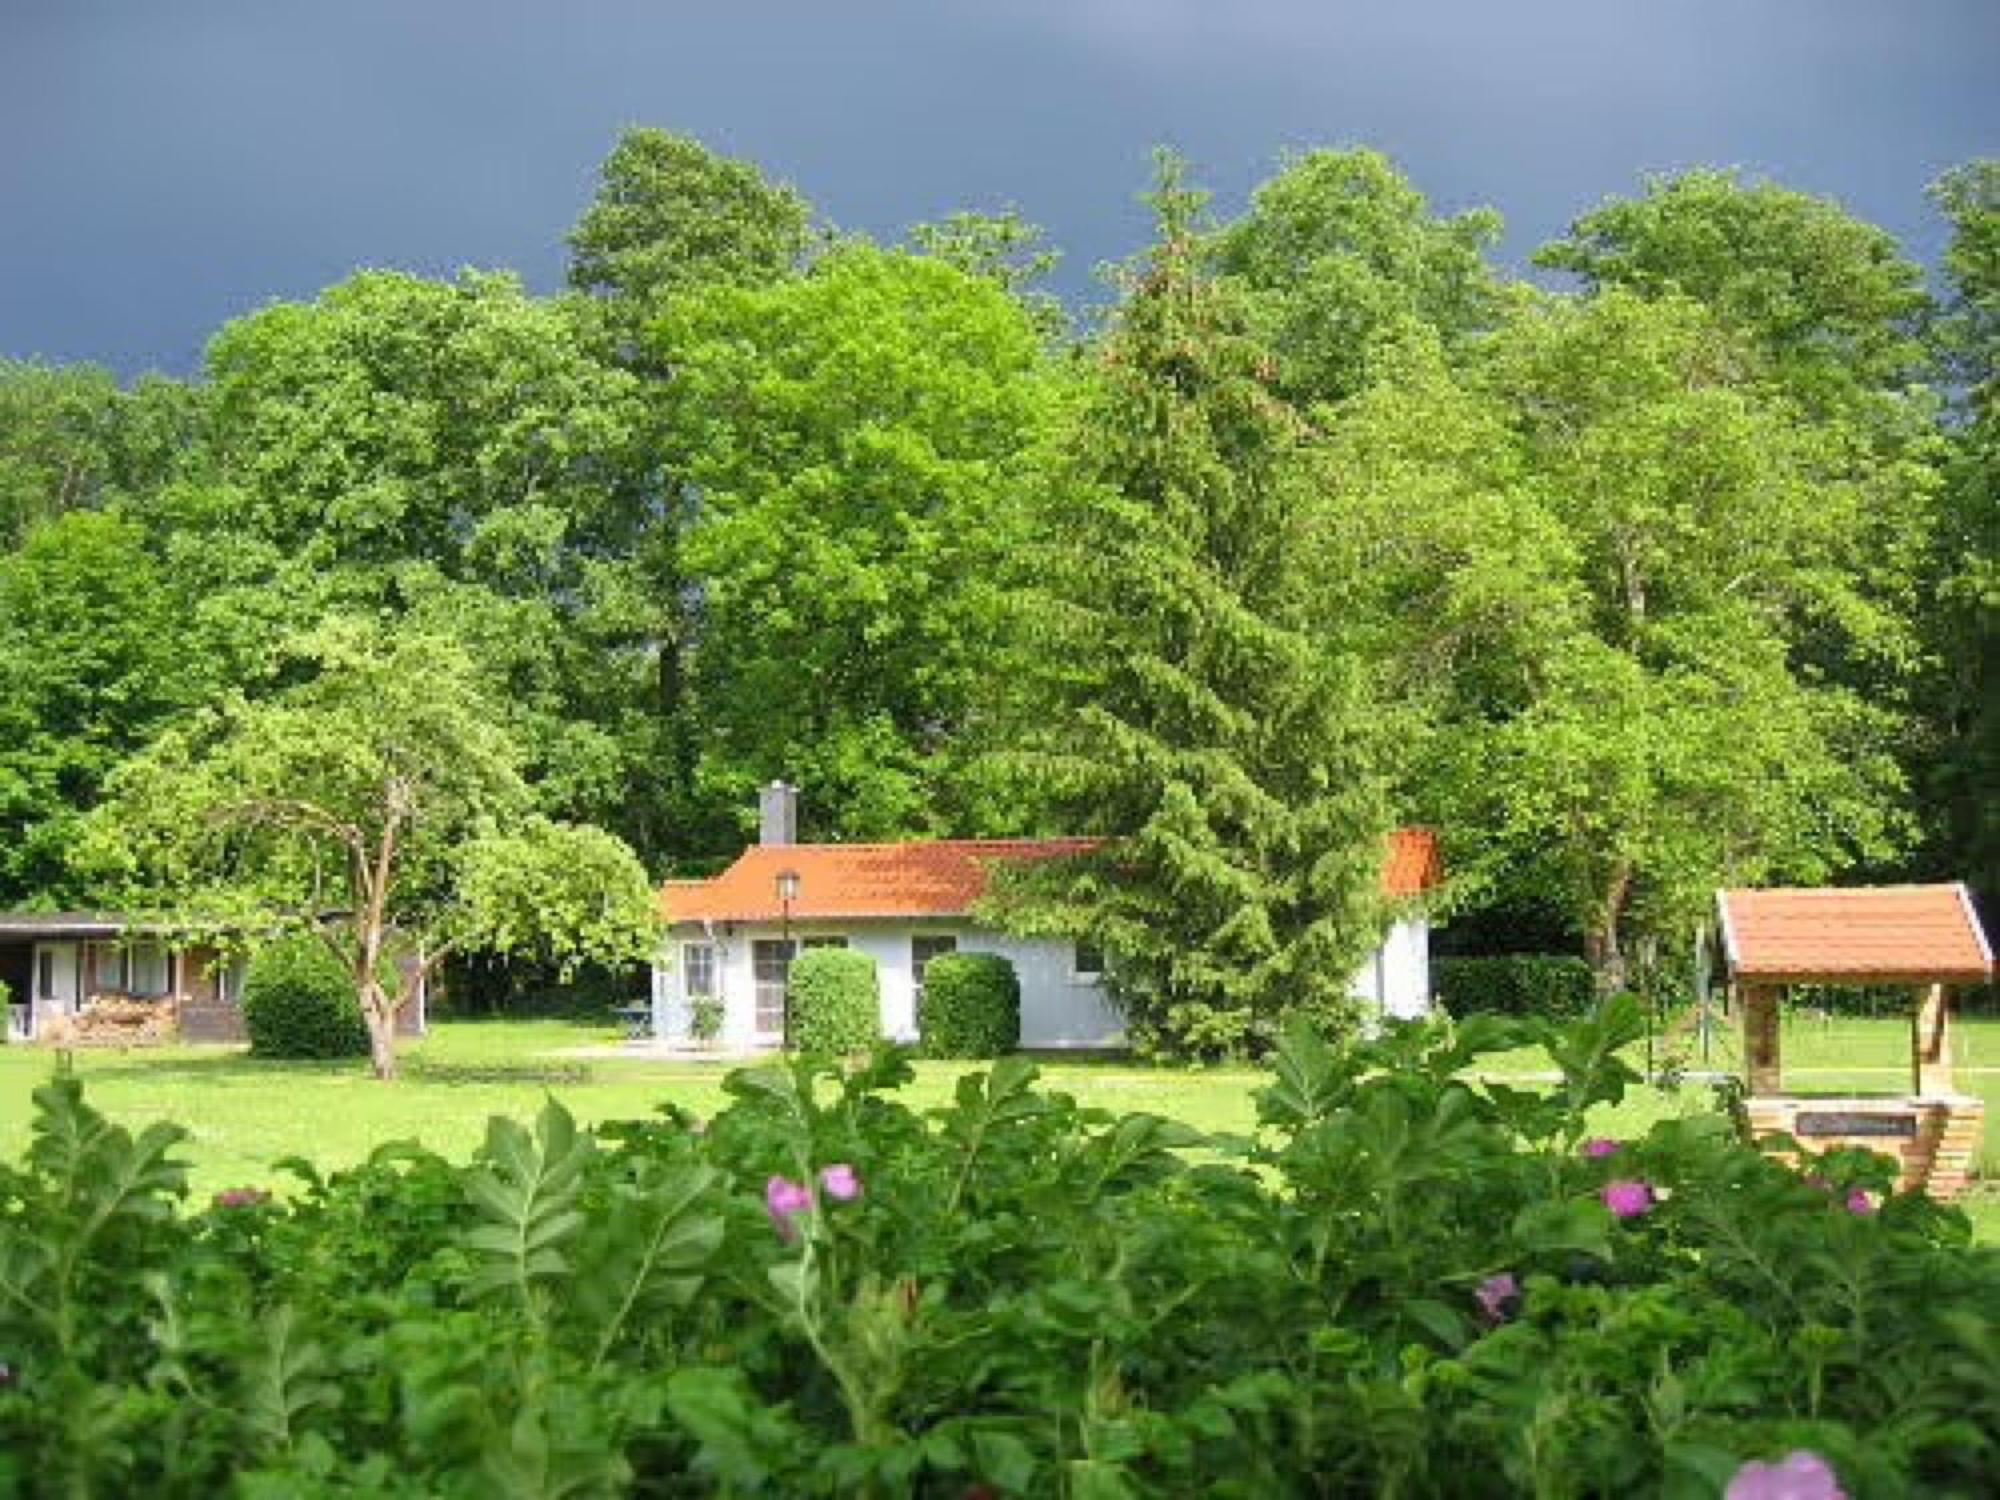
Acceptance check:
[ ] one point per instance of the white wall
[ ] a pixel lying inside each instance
(1396, 979)
(1058, 1009)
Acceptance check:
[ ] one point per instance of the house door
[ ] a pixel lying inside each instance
(57, 974)
(771, 962)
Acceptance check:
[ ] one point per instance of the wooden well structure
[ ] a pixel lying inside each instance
(1923, 937)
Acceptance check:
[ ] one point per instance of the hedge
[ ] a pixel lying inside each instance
(299, 1002)
(834, 1003)
(1555, 985)
(972, 1006)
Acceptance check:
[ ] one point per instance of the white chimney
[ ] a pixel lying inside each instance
(778, 814)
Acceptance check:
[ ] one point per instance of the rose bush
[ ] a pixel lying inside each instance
(1408, 1282)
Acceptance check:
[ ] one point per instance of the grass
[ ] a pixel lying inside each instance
(245, 1113)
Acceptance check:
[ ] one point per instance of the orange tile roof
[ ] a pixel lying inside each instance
(1897, 934)
(933, 878)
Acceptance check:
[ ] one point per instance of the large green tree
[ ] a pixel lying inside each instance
(71, 439)
(92, 665)
(1961, 766)
(1178, 703)
(1340, 251)
(455, 452)
(1670, 731)
(373, 801)
(671, 215)
(1829, 300)
(858, 439)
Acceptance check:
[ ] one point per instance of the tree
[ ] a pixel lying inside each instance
(1829, 300)
(1177, 705)
(371, 800)
(71, 440)
(670, 218)
(1673, 734)
(92, 666)
(1339, 251)
(671, 215)
(858, 439)
(453, 452)
(1005, 249)
(1960, 765)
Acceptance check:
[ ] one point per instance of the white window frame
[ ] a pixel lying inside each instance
(704, 953)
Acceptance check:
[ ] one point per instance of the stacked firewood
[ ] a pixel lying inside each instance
(114, 1021)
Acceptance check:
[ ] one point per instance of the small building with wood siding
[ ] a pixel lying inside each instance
(57, 966)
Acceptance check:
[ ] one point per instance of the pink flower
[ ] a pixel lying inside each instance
(1497, 1295)
(1858, 1202)
(840, 1182)
(1800, 1476)
(784, 1201)
(241, 1197)
(1600, 1146)
(1627, 1199)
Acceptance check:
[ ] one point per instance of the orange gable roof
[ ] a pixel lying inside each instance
(933, 878)
(1899, 934)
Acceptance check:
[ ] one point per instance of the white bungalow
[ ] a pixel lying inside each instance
(731, 939)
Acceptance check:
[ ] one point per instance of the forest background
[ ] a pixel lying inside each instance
(1674, 567)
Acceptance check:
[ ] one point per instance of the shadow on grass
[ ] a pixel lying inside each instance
(238, 1066)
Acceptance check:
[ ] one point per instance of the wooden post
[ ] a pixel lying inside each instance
(1760, 1038)
(1930, 1042)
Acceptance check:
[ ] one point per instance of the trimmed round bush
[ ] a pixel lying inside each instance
(298, 1002)
(834, 1003)
(1556, 986)
(972, 1006)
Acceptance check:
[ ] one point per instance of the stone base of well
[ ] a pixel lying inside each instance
(1934, 1137)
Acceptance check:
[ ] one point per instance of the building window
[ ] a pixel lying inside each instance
(698, 970)
(229, 981)
(1088, 962)
(770, 965)
(823, 942)
(148, 979)
(107, 969)
(922, 951)
(45, 975)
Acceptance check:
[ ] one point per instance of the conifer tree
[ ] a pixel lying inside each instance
(1178, 706)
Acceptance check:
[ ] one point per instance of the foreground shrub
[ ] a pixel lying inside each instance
(972, 1006)
(1412, 1283)
(299, 1002)
(1551, 985)
(833, 1003)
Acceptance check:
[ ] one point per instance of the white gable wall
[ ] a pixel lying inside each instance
(1059, 1009)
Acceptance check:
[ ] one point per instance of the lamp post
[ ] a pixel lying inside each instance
(788, 892)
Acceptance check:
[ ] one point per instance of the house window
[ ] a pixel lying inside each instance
(823, 942)
(922, 951)
(229, 981)
(45, 975)
(107, 969)
(698, 970)
(1088, 962)
(148, 978)
(770, 964)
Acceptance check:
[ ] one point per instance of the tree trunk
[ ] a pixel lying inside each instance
(1603, 948)
(381, 1016)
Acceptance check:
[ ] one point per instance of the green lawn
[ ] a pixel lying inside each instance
(244, 1114)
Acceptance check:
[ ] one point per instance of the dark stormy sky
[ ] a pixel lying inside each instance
(166, 165)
